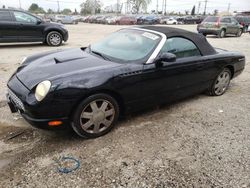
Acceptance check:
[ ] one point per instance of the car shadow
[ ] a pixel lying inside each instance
(27, 45)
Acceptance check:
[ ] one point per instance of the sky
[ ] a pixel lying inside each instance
(172, 5)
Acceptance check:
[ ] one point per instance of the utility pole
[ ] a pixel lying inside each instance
(117, 6)
(205, 8)
(228, 8)
(95, 8)
(20, 4)
(165, 7)
(199, 6)
(157, 6)
(58, 6)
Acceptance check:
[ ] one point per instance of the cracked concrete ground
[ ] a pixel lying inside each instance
(202, 141)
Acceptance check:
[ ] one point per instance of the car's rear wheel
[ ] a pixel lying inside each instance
(54, 38)
(222, 33)
(221, 83)
(239, 33)
(95, 116)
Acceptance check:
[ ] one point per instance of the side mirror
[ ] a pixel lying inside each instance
(39, 22)
(165, 57)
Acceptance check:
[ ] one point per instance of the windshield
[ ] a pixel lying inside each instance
(127, 45)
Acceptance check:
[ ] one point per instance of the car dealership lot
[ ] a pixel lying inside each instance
(201, 141)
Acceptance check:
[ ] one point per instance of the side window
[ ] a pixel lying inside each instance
(225, 20)
(24, 18)
(181, 47)
(5, 16)
(234, 21)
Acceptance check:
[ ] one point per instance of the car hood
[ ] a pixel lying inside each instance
(53, 65)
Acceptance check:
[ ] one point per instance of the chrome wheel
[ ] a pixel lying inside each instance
(222, 83)
(97, 116)
(55, 39)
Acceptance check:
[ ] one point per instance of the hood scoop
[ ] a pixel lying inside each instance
(64, 60)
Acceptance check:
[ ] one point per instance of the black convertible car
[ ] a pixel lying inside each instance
(88, 88)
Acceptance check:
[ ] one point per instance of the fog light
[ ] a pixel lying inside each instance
(54, 123)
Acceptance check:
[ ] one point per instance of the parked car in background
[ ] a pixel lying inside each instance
(144, 20)
(244, 21)
(192, 20)
(21, 26)
(170, 21)
(88, 88)
(220, 26)
(126, 20)
(65, 19)
(163, 19)
(112, 20)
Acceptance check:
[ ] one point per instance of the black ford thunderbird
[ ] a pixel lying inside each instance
(131, 69)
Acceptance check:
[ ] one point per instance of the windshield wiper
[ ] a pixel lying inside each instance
(98, 53)
(101, 55)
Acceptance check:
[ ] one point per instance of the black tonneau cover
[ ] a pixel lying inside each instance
(200, 41)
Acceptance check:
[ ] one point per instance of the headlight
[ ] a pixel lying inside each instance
(42, 90)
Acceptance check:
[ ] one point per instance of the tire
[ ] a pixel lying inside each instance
(95, 123)
(239, 33)
(221, 83)
(222, 33)
(54, 38)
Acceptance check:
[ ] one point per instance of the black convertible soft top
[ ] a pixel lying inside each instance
(199, 40)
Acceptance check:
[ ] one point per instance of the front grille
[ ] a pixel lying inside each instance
(16, 100)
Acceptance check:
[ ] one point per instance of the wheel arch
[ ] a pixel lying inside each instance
(111, 93)
(231, 68)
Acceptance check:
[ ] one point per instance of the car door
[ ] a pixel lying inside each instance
(235, 26)
(8, 32)
(189, 74)
(30, 28)
(226, 23)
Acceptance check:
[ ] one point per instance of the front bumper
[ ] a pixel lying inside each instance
(37, 114)
(65, 36)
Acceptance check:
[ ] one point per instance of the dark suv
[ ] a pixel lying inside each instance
(20, 26)
(244, 21)
(220, 26)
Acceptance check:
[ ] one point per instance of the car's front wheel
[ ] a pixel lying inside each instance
(221, 83)
(95, 116)
(54, 38)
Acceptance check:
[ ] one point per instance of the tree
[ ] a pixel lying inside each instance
(138, 5)
(66, 11)
(34, 8)
(193, 11)
(91, 7)
(186, 12)
(215, 12)
(50, 11)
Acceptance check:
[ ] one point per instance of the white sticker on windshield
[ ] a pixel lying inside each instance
(150, 36)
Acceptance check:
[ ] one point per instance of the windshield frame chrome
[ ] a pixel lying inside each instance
(158, 48)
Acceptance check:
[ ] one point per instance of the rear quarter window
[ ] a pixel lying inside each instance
(5, 16)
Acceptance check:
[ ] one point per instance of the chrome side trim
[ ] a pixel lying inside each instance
(158, 48)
